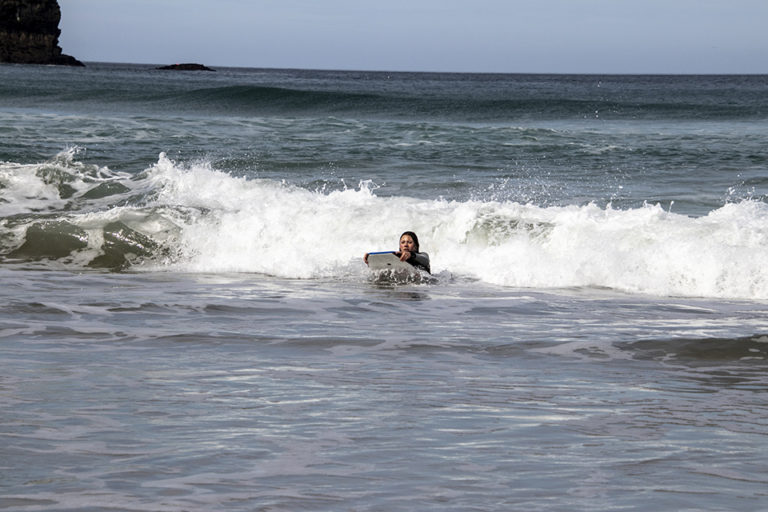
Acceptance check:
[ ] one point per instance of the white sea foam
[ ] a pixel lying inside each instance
(23, 190)
(26, 188)
(278, 229)
(220, 223)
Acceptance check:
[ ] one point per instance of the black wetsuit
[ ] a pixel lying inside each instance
(420, 260)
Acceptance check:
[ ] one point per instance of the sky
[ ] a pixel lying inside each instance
(495, 36)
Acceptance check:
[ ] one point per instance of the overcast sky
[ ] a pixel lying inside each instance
(510, 36)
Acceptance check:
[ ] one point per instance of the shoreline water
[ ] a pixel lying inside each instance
(170, 392)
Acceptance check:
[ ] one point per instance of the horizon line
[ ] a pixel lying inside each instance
(362, 70)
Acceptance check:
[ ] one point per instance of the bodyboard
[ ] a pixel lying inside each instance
(388, 261)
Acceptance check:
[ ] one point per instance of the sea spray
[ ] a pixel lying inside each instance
(195, 218)
(278, 229)
(645, 250)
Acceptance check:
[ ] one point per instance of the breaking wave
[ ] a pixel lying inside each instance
(195, 218)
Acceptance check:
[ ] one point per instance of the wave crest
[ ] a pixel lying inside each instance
(195, 218)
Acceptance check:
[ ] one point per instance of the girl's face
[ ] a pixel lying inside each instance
(407, 244)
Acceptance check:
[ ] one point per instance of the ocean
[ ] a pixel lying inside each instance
(187, 323)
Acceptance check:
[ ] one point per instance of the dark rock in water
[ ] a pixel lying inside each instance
(29, 33)
(187, 67)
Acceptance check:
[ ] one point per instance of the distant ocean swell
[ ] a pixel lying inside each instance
(257, 99)
(515, 103)
(195, 218)
(592, 99)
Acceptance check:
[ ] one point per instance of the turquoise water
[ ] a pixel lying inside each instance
(186, 322)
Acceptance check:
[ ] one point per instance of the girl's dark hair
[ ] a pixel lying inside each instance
(414, 237)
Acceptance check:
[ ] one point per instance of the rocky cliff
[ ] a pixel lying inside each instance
(29, 33)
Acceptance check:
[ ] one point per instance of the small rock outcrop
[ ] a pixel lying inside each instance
(29, 33)
(187, 67)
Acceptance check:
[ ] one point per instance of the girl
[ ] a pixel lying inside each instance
(409, 252)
